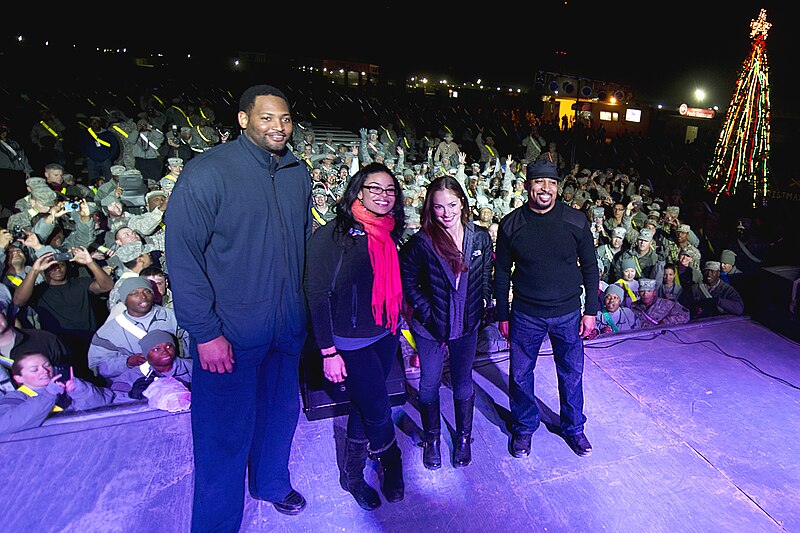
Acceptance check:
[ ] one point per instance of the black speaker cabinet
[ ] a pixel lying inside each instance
(324, 399)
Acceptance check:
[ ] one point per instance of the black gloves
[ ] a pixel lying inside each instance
(139, 386)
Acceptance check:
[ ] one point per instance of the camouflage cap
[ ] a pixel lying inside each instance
(647, 284)
(690, 252)
(44, 196)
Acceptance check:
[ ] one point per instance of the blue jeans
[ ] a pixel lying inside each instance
(526, 336)
(431, 362)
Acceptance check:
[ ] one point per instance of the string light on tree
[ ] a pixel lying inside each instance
(741, 157)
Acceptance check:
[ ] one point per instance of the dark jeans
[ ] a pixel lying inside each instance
(242, 421)
(370, 410)
(96, 169)
(526, 336)
(431, 362)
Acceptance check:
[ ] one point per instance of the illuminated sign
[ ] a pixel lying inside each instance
(697, 112)
(633, 115)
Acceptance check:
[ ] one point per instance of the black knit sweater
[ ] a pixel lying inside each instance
(552, 256)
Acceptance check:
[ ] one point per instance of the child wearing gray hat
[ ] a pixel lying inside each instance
(614, 316)
(161, 361)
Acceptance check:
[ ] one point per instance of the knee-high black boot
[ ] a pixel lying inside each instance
(393, 487)
(462, 444)
(352, 479)
(431, 436)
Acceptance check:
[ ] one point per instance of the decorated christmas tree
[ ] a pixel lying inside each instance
(741, 157)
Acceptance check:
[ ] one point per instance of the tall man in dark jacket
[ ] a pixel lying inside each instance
(238, 222)
(549, 246)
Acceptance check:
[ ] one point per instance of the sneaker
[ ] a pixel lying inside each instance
(520, 446)
(579, 444)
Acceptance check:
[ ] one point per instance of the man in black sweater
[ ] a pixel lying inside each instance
(548, 246)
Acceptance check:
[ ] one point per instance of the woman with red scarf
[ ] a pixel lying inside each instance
(354, 292)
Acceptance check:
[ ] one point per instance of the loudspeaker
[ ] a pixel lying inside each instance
(539, 81)
(134, 190)
(324, 399)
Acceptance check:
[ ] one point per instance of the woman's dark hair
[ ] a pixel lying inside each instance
(248, 98)
(442, 241)
(345, 221)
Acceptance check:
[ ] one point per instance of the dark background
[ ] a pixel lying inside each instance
(662, 50)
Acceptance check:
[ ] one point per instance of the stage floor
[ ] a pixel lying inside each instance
(694, 429)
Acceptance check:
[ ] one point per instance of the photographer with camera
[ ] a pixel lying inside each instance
(64, 301)
(67, 224)
(179, 144)
(146, 144)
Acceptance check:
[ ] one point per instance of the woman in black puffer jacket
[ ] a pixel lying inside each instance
(446, 269)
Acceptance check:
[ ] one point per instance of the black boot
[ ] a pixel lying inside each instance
(352, 478)
(431, 435)
(462, 444)
(393, 486)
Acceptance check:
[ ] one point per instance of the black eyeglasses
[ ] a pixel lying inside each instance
(377, 190)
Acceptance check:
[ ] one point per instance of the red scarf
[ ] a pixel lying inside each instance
(387, 290)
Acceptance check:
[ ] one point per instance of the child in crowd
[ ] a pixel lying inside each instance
(158, 346)
(614, 316)
(628, 282)
(39, 393)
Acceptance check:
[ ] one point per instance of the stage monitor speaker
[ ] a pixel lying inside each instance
(324, 399)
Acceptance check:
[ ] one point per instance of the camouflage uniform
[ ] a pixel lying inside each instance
(389, 140)
(123, 129)
(673, 250)
(662, 312)
(370, 146)
(447, 150)
(204, 137)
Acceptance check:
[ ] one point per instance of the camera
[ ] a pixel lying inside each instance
(175, 132)
(72, 206)
(17, 233)
(63, 256)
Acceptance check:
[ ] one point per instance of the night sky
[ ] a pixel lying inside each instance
(662, 53)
